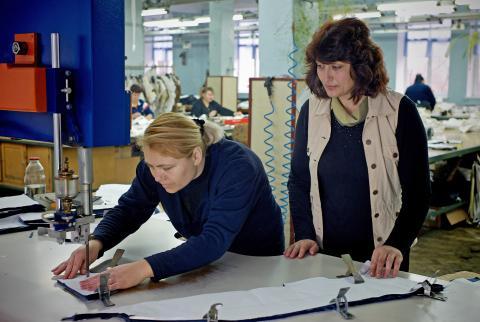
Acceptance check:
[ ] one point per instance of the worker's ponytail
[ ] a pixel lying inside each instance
(176, 135)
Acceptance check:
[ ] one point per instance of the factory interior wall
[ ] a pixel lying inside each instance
(457, 83)
(388, 44)
(134, 42)
(192, 69)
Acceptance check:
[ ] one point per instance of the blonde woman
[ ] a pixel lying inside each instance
(215, 192)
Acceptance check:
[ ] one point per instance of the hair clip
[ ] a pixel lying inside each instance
(200, 123)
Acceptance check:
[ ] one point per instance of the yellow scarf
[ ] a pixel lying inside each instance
(344, 117)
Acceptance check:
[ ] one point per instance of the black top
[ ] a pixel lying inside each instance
(347, 225)
(199, 108)
(413, 171)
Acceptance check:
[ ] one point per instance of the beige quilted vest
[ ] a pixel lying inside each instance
(381, 154)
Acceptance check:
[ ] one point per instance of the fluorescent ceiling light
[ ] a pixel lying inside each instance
(359, 15)
(417, 8)
(237, 17)
(154, 12)
(177, 23)
(170, 23)
(368, 14)
(473, 4)
(394, 6)
(203, 20)
(207, 19)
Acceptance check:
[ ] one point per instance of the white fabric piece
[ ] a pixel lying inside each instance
(139, 125)
(31, 216)
(11, 222)
(74, 284)
(269, 301)
(16, 201)
(149, 87)
(110, 193)
(170, 87)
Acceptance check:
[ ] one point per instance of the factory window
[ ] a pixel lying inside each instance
(246, 59)
(159, 54)
(473, 72)
(426, 54)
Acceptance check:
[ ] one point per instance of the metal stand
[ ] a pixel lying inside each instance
(103, 291)
(212, 314)
(342, 304)
(68, 215)
(351, 270)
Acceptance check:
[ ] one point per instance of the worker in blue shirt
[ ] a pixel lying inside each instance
(138, 106)
(208, 106)
(215, 192)
(421, 93)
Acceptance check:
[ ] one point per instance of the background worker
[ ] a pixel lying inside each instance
(138, 106)
(421, 93)
(208, 106)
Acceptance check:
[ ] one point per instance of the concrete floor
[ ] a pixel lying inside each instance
(448, 251)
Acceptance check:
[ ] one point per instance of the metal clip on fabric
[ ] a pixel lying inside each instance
(103, 291)
(351, 270)
(212, 314)
(433, 291)
(342, 304)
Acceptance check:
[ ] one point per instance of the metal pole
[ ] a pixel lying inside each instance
(55, 50)
(57, 142)
(57, 117)
(85, 173)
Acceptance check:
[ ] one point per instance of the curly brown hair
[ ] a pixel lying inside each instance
(347, 40)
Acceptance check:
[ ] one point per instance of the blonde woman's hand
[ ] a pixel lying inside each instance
(121, 277)
(76, 262)
(302, 247)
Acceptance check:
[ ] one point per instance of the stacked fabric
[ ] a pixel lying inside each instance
(13, 208)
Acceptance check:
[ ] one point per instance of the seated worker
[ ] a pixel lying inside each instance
(421, 93)
(215, 192)
(138, 106)
(359, 180)
(206, 105)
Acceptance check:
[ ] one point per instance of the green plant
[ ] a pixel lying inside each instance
(309, 15)
(473, 40)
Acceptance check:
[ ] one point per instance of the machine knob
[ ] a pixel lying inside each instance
(19, 48)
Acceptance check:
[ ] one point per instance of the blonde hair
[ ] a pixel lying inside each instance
(177, 135)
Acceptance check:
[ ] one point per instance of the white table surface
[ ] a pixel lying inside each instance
(27, 292)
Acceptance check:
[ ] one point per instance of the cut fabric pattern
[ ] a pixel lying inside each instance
(302, 297)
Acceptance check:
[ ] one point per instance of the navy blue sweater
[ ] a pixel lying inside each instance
(199, 108)
(238, 213)
(421, 93)
(413, 171)
(145, 111)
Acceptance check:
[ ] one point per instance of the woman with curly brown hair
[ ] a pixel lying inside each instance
(359, 180)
